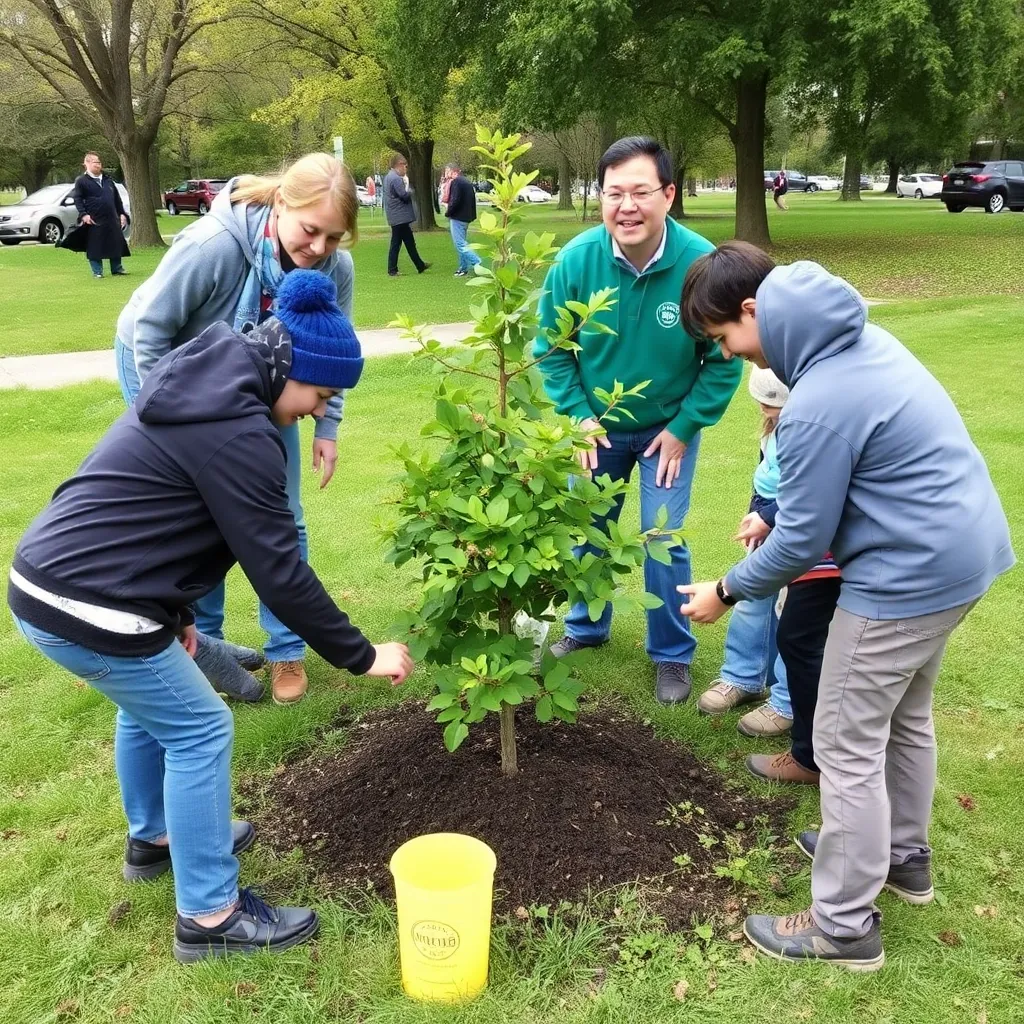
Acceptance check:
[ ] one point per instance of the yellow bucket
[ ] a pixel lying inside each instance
(443, 884)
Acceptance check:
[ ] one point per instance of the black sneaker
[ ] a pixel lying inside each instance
(567, 645)
(797, 937)
(145, 861)
(674, 682)
(254, 927)
(911, 881)
(392, 273)
(426, 266)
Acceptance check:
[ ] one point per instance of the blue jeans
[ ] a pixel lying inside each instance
(283, 644)
(752, 660)
(669, 637)
(467, 258)
(97, 266)
(172, 753)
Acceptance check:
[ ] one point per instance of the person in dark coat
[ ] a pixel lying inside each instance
(99, 206)
(461, 212)
(400, 213)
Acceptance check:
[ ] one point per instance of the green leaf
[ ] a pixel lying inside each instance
(649, 600)
(453, 714)
(564, 700)
(660, 552)
(543, 709)
(488, 222)
(454, 734)
(497, 510)
(522, 574)
(661, 518)
(509, 694)
(595, 609)
(440, 701)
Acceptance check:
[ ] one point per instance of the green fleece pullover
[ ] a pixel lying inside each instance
(685, 393)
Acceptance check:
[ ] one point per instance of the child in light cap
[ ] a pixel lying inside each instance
(752, 666)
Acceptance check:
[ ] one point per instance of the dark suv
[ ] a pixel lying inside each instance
(193, 196)
(797, 182)
(994, 185)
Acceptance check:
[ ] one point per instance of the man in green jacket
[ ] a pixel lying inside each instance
(645, 255)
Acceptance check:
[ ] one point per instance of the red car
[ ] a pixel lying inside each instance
(194, 196)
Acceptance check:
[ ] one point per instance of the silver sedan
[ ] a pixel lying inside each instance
(47, 215)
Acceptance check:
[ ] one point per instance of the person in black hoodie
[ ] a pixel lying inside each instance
(190, 480)
(461, 212)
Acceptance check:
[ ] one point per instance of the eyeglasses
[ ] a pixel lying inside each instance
(639, 196)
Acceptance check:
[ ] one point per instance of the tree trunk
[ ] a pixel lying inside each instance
(894, 176)
(691, 187)
(677, 211)
(135, 161)
(154, 176)
(421, 177)
(748, 141)
(609, 129)
(851, 173)
(564, 182)
(35, 167)
(509, 758)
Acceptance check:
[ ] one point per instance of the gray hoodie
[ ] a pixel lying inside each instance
(876, 464)
(200, 281)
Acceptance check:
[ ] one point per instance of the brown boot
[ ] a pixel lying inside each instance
(780, 768)
(288, 681)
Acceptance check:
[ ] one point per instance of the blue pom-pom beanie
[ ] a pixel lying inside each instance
(325, 349)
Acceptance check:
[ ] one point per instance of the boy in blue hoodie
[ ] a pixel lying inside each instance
(877, 466)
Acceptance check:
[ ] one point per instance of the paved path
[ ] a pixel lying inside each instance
(42, 372)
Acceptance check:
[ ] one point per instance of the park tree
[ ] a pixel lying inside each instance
(111, 62)
(387, 64)
(489, 509)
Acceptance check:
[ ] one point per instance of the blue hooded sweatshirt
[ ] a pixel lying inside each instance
(199, 282)
(876, 464)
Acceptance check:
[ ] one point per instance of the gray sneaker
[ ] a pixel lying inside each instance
(911, 881)
(567, 645)
(674, 682)
(798, 938)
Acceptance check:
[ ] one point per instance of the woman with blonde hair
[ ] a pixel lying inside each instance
(228, 266)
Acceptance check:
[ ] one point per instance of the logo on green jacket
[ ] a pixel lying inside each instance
(668, 314)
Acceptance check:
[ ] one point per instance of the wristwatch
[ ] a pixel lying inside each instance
(723, 595)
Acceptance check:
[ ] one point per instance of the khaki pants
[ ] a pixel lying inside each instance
(874, 741)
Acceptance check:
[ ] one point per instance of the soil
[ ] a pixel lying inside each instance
(589, 809)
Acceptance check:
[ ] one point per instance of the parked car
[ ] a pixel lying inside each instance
(47, 215)
(533, 194)
(825, 182)
(919, 186)
(993, 185)
(194, 196)
(797, 182)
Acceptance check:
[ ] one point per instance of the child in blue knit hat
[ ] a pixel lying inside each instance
(190, 480)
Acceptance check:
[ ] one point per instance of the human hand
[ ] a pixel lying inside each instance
(588, 458)
(704, 604)
(393, 661)
(325, 456)
(752, 531)
(670, 456)
(87, 219)
(187, 639)
(124, 222)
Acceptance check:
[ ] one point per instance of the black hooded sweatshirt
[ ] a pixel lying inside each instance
(187, 482)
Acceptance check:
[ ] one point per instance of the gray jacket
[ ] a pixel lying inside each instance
(875, 463)
(398, 204)
(199, 282)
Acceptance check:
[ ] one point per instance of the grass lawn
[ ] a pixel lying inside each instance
(72, 949)
(889, 248)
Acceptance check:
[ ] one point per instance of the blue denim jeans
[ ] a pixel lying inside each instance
(669, 637)
(752, 660)
(468, 259)
(283, 644)
(97, 266)
(172, 753)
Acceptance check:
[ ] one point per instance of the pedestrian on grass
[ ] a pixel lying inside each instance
(780, 186)
(99, 206)
(875, 464)
(644, 254)
(400, 213)
(229, 266)
(461, 212)
(191, 479)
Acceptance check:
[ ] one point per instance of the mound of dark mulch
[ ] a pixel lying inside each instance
(582, 815)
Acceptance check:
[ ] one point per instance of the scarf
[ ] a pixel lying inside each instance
(265, 275)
